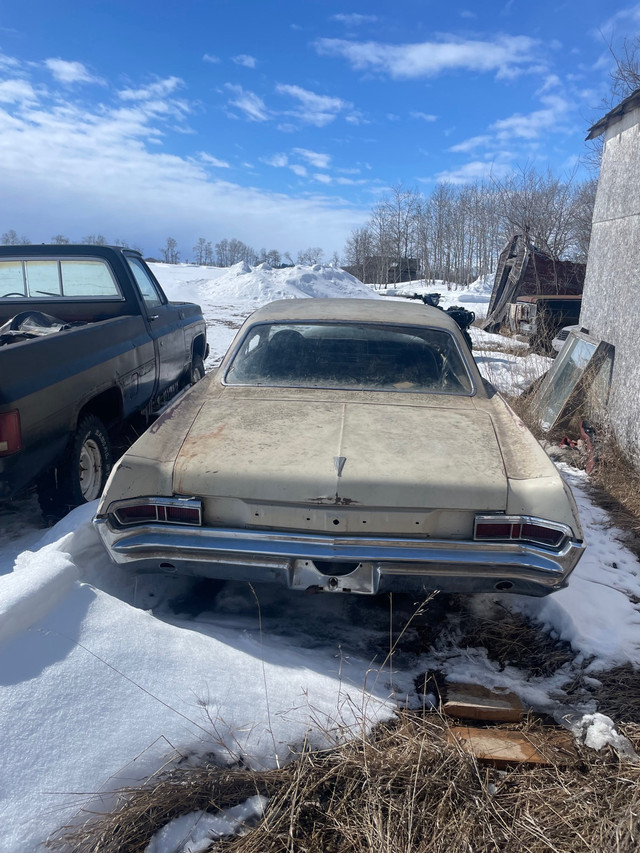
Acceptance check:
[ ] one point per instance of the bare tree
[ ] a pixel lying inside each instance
(60, 240)
(230, 252)
(359, 251)
(94, 240)
(625, 77)
(309, 257)
(170, 253)
(200, 251)
(10, 238)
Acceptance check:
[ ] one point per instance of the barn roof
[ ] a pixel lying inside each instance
(614, 115)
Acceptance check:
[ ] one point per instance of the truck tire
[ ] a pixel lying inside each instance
(81, 476)
(197, 369)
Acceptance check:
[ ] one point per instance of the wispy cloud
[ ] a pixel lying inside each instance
(213, 161)
(424, 116)
(354, 19)
(478, 170)
(247, 102)
(16, 91)
(68, 73)
(314, 158)
(554, 117)
(210, 57)
(315, 109)
(157, 89)
(245, 60)
(71, 168)
(505, 56)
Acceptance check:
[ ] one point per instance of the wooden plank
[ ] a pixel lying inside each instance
(475, 702)
(497, 747)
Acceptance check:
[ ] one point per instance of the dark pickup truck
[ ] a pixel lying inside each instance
(88, 340)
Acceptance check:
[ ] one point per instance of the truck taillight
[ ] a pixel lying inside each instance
(535, 531)
(10, 434)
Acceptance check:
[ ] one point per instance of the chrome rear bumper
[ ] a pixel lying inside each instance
(366, 565)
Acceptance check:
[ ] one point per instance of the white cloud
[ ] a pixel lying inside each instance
(16, 91)
(70, 72)
(424, 116)
(68, 169)
(277, 160)
(318, 110)
(213, 161)
(298, 170)
(158, 89)
(471, 144)
(552, 118)
(504, 55)
(354, 19)
(245, 60)
(314, 158)
(247, 102)
(478, 170)
(209, 57)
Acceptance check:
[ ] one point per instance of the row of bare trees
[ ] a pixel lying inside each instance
(11, 238)
(457, 232)
(226, 253)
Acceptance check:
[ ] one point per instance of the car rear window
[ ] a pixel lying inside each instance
(351, 356)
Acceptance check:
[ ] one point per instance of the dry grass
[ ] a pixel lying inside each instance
(402, 790)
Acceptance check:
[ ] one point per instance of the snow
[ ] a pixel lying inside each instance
(105, 679)
(193, 833)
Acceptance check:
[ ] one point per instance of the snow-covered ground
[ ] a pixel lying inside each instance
(104, 680)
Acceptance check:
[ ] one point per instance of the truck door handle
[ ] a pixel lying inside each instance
(154, 317)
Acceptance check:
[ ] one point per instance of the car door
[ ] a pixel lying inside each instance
(166, 326)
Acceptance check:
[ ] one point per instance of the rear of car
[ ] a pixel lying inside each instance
(342, 447)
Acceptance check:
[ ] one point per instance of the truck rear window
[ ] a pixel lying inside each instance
(57, 279)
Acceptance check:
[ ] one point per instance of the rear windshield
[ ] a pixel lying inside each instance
(366, 357)
(57, 279)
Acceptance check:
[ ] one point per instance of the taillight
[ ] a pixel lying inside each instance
(10, 434)
(162, 510)
(519, 529)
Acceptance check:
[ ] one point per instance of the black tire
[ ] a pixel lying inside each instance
(197, 370)
(81, 476)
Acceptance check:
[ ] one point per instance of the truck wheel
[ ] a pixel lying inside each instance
(82, 475)
(197, 369)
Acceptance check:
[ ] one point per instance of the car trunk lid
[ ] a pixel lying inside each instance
(334, 453)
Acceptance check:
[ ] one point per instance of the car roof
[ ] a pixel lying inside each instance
(391, 311)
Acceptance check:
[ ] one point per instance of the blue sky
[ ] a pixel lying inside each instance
(282, 123)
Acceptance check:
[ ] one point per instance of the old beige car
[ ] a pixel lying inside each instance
(345, 445)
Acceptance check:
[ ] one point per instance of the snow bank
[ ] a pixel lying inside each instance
(255, 286)
(98, 694)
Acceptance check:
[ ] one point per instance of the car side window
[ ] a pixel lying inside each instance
(150, 293)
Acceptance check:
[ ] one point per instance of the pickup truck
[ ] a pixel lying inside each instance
(88, 340)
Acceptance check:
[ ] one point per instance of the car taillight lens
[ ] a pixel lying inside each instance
(10, 433)
(162, 510)
(519, 529)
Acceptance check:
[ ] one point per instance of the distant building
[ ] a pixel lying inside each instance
(611, 300)
(378, 269)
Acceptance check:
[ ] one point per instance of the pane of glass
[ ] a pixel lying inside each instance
(563, 378)
(147, 287)
(88, 278)
(43, 279)
(351, 356)
(11, 279)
